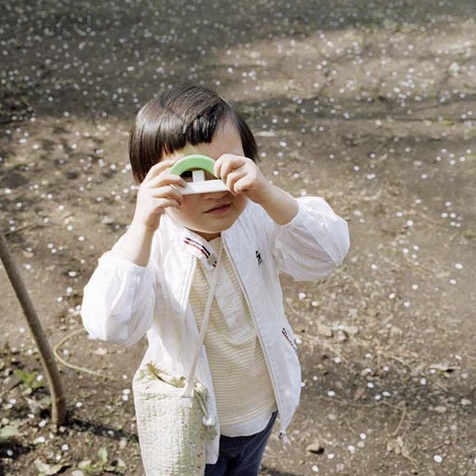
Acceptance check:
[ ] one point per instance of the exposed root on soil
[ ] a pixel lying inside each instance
(76, 367)
(402, 418)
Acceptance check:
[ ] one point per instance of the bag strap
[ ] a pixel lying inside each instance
(206, 317)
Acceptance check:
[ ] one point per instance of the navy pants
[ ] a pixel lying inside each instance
(241, 455)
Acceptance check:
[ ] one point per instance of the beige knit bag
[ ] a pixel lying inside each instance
(172, 417)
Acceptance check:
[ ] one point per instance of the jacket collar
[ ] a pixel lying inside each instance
(189, 242)
(199, 248)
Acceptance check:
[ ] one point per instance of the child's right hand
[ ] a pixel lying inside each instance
(156, 194)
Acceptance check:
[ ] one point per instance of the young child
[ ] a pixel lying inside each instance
(156, 278)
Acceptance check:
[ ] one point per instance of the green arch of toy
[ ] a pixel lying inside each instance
(194, 161)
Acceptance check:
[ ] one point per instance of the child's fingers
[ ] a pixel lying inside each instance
(167, 192)
(156, 205)
(244, 185)
(233, 177)
(158, 168)
(226, 164)
(165, 178)
(217, 167)
(167, 203)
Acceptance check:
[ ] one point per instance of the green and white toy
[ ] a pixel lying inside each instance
(196, 165)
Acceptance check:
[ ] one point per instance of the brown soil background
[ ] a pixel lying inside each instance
(370, 104)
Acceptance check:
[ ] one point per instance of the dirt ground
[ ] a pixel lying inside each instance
(370, 104)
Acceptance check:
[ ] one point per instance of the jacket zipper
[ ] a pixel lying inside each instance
(265, 354)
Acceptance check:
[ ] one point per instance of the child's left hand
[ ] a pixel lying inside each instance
(242, 176)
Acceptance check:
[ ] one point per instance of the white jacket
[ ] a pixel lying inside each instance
(123, 301)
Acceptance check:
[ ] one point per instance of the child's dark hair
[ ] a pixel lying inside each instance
(186, 115)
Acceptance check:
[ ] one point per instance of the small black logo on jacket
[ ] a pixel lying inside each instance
(258, 257)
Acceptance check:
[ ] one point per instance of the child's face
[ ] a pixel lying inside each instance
(209, 214)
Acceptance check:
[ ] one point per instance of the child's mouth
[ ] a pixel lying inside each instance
(219, 209)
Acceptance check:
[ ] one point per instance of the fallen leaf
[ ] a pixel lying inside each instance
(84, 464)
(8, 432)
(103, 455)
(47, 469)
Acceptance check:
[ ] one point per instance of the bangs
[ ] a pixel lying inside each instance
(176, 132)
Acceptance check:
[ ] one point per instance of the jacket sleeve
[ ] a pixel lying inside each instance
(313, 244)
(118, 301)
